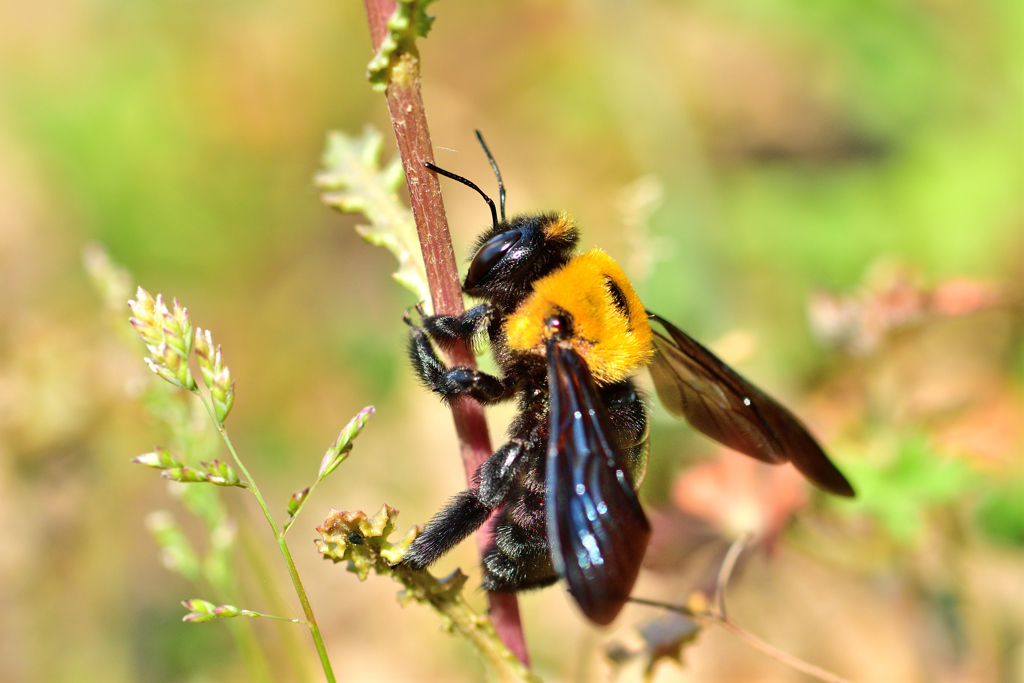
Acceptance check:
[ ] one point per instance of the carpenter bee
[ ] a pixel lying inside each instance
(568, 333)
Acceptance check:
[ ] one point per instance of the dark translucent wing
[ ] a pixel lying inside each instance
(597, 530)
(693, 383)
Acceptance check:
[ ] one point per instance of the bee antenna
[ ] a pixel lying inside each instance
(494, 165)
(467, 183)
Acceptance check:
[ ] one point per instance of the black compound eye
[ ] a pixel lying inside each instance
(489, 255)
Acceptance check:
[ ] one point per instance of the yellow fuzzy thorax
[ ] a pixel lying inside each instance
(614, 346)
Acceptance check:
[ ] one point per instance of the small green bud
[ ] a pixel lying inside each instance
(216, 375)
(168, 337)
(186, 475)
(172, 375)
(223, 393)
(205, 352)
(199, 610)
(177, 327)
(331, 460)
(221, 474)
(161, 458)
(338, 451)
(215, 472)
(143, 309)
(226, 611)
(296, 501)
(202, 610)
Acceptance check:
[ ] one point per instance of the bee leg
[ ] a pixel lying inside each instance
(459, 518)
(445, 330)
(451, 383)
(498, 474)
(465, 512)
(519, 559)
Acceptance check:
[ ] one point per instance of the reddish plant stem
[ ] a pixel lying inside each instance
(409, 119)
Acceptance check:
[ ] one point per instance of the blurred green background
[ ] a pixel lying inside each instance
(753, 164)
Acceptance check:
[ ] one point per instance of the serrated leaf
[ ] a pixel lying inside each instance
(409, 22)
(357, 539)
(354, 182)
(362, 542)
(447, 588)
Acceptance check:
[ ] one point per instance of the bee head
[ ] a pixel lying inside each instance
(510, 257)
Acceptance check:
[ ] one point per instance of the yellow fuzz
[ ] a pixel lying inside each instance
(559, 226)
(613, 345)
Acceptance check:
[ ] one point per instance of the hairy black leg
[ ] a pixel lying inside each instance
(451, 383)
(459, 518)
(445, 330)
(465, 512)
(519, 559)
(500, 473)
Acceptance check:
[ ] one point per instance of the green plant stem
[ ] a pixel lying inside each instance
(309, 494)
(264, 583)
(282, 544)
(250, 613)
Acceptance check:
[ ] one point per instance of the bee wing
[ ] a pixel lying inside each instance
(596, 528)
(693, 383)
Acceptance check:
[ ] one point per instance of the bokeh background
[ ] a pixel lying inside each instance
(829, 193)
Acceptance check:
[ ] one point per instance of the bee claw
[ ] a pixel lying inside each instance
(407, 316)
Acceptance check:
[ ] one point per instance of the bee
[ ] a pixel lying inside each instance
(568, 334)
